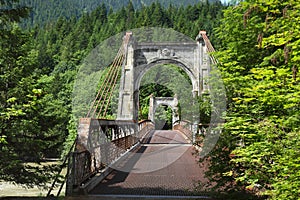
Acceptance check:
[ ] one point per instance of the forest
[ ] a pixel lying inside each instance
(43, 12)
(258, 53)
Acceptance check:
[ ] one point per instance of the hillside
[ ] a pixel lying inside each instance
(51, 10)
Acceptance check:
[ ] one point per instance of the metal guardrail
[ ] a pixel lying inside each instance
(192, 130)
(185, 127)
(100, 143)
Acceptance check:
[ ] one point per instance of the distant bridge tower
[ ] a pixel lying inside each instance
(168, 101)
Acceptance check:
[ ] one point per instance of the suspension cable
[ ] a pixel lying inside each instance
(116, 76)
(104, 94)
(101, 89)
(209, 46)
(112, 84)
(106, 84)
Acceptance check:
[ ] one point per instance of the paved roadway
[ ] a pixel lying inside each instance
(163, 167)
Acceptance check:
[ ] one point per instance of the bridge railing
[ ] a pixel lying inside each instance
(99, 143)
(195, 133)
(145, 127)
(185, 127)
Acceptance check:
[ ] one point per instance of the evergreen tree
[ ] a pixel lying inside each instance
(38, 69)
(31, 118)
(259, 58)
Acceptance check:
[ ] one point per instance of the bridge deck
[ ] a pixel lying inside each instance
(163, 165)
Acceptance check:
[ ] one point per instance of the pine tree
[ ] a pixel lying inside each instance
(29, 128)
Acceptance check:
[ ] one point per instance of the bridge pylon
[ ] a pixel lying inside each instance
(192, 57)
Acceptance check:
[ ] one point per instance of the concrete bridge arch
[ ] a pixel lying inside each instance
(185, 66)
(172, 102)
(192, 57)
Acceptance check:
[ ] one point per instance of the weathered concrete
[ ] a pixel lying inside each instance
(191, 57)
(169, 101)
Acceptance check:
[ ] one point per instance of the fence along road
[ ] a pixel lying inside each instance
(164, 166)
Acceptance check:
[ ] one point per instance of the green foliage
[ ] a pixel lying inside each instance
(258, 60)
(22, 135)
(33, 110)
(146, 91)
(163, 117)
(68, 36)
(44, 12)
(11, 12)
(165, 81)
(38, 69)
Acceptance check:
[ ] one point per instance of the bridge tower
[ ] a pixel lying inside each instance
(192, 57)
(169, 101)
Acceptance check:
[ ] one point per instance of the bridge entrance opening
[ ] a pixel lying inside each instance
(190, 56)
(163, 88)
(163, 117)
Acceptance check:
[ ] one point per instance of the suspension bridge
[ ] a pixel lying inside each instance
(129, 159)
